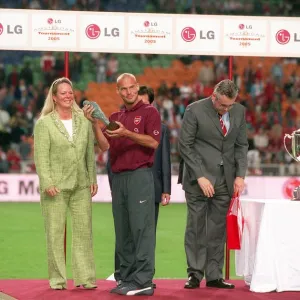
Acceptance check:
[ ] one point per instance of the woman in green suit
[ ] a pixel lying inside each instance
(65, 164)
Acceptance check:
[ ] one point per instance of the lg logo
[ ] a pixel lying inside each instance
(283, 37)
(147, 23)
(243, 26)
(188, 34)
(93, 31)
(51, 21)
(17, 29)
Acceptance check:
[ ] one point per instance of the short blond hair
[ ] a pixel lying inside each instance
(124, 75)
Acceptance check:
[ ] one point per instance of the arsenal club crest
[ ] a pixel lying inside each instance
(137, 120)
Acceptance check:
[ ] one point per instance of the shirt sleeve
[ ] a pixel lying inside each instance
(153, 124)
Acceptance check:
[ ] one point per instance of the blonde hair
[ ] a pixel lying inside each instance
(49, 104)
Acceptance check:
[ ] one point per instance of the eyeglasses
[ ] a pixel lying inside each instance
(224, 106)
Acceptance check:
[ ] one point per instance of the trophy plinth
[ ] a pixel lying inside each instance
(99, 114)
(112, 126)
(294, 154)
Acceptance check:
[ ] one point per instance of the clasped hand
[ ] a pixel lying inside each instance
(53, 190)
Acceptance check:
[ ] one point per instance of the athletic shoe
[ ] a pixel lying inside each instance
(132, 289)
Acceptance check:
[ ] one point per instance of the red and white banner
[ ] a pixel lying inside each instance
(86, 31)
(25, 188)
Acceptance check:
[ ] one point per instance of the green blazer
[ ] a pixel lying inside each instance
(61, 161)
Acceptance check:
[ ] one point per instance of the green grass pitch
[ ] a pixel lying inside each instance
(23, 249)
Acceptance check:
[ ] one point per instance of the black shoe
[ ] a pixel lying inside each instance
(192, 283)
(219, 283)
(154, 285)
(116, 289)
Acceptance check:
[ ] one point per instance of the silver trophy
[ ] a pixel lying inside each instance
(295, 155)
(99, 114)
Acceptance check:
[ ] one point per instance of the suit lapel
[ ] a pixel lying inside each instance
(213, 114)
(76, 125)
(62, 129)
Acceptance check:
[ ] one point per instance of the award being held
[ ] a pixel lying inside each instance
(99, 114)
(295, 147)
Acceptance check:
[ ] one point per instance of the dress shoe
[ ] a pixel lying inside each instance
(192, 283)
(58, 287)
(88, 286)
(219, 283)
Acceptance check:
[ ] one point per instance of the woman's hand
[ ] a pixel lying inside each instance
(52, 191)
(94, 189)
(88, 110)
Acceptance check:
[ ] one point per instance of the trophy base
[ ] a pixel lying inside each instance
(112, 126)
(296, 194)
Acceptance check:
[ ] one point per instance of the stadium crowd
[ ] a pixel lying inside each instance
(272, 101)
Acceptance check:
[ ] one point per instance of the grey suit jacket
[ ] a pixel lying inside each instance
(203, 146)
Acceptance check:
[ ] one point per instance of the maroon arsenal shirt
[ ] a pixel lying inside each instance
(125, 154)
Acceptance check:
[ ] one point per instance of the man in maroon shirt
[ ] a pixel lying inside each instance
(132, 149)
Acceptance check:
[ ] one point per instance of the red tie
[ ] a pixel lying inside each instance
(224, 129)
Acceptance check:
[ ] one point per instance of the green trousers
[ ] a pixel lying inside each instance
(54, 210)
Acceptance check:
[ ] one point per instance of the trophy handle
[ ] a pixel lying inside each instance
(290, 137)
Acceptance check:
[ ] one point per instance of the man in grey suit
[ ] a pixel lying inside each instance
(161, 170)
(213, 146)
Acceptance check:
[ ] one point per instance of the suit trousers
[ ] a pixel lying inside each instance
(206, 231)
(54, 210)
(133, 211)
